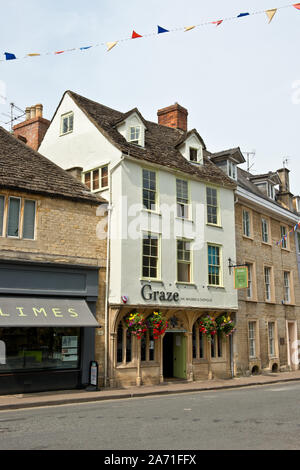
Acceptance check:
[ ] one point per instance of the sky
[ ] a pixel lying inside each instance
(239, 81)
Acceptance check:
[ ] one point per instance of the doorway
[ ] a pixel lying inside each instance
(292, 344)
(174, 355)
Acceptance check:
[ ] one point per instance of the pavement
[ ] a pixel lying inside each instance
(65, 397)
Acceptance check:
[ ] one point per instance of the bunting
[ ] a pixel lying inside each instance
(284, 238)
(160, 30)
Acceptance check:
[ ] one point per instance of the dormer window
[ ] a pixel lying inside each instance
(271, 191)
(232, 173)
(135, 135)
(193, 154)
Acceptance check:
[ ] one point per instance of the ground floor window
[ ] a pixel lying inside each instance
(271, 332)
(147, 347)
(124, 344)
(252, 338)
(216, 346)
(198, 342)
(40, 348)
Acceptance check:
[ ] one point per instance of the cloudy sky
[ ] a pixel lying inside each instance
(240, 81)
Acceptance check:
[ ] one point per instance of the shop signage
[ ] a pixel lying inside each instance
(37, 312)
(163, 296)
(241, 277)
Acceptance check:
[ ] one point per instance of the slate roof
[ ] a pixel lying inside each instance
(161, 142)
(24, 169)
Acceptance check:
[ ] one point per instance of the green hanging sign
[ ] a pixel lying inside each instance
(241, 277)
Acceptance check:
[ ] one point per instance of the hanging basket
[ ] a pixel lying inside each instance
(225, 325)
(208, 326)
(157, 324)
(136, 324)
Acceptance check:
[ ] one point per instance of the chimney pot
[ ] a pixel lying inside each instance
(39, 110)
(28, 113)
(32, 112)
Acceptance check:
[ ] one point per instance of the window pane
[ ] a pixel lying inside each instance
(29, 220)
(104, 177)
(87, 180)
(1, 214)
(13, 217)
(193, 154)
(120, 343)
(95, 179)
(212, 206)
(128, 346)
(150, 256)
(149, 189)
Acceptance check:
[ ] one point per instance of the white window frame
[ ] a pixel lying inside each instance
(184, 261)
(63, 117)
(283, 232)
(249, 291)
(287, 286)
(90, 172)
(271, 337)
(271, 191)
(182, 202)
(155, 191)
(197, 154)
(231, 169)
(246, 223)
(136, 141)
(265, 230)
(218, 223)
(252, 326)
(268, 283)
(158, 257)
(220, 265)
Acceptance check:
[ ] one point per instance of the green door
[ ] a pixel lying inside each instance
(179, 354)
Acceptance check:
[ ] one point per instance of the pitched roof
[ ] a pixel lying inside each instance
(161, 142)
(24, 169)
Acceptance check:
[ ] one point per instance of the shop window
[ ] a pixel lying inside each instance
(147, 347)
(198, 342)
(124, 344)
(216, 346)
(40, 348)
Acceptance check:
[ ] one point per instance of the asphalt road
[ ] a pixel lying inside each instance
(264, 417)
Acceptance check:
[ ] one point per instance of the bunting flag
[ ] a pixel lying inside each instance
(271, 14)
(217, 22)
(135, 35)
(9, 56)
(110, 45)
(188, 28)
(284, 238)
(162, 30)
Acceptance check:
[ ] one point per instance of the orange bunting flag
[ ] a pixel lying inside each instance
(135, 35)
(33, 55)
(271, 14)
(217, 22)
(59, 52)
(110, 45)
(188, 28)
(297, 5)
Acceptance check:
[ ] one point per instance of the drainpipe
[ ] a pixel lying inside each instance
(107, 280)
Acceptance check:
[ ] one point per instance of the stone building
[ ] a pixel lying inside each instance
(268, 320)
(170, 226)
(52, 270)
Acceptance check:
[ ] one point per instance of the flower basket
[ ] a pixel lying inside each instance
(136, 324)
(208, 326)
(157, 323)
(225, 325)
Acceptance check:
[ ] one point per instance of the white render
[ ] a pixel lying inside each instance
(88, 148)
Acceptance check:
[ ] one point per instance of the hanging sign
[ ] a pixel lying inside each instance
(241, 277)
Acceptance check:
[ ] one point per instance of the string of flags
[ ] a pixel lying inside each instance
(284, 238)
(160, 30)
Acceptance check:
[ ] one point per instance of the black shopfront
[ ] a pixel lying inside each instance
(47, 326)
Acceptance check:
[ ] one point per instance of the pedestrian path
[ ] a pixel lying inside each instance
(29, 400)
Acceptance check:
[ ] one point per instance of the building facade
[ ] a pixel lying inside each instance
(170, 225)
(266, 242)
(52, 270)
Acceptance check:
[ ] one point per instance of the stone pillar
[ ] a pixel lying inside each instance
(112, 360)
(210, 374)
(189, 357)
(138, 370)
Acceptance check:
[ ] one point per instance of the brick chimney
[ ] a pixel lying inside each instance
(173, 116)
(32, 130)
(284, 195)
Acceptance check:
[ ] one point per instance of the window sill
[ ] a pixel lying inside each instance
(184, 219)
(149, 211)
(248, 238)
(149, 364)
(214, 225)
(251, 300)
(272, 302)
(266, 244)
(183, 283)
(65, 133)
(149, 279)
(215, 287)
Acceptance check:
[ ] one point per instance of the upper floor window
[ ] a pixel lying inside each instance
(67, 123)
(250, 281)
(271, 334)
(149, 190)
(265, 230)
(97, 179)
(150, 256)
(214, 265)
(212, 206)
(183, 261)
(246, 224)
(267, 276)
(193, 154)
(283, 233)
(298, 240)
(232, 172)
(182, 198)
(21, 215)
(287, 293)
(252, 338)
(135, 135)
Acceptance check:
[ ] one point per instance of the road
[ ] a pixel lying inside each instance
(264, 417)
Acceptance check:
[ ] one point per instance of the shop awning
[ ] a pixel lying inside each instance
(45, 312)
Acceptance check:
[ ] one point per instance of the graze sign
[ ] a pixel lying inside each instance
(148, 294)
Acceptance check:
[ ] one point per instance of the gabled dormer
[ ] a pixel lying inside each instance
(132, 127)
(228, 160)
(191, 147)
(266, 183)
